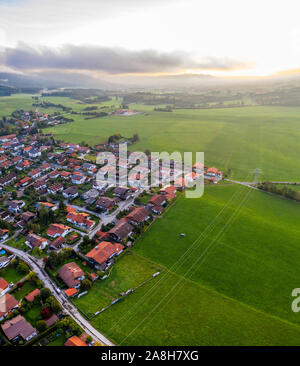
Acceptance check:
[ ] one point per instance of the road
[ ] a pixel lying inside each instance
(68, 308)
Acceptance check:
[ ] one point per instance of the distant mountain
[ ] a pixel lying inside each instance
(52, 80)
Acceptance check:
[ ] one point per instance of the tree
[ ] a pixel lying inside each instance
(46, 312)
(45, 293)
(41, 325)
(55, 305)
(86, 284)
(22, 268)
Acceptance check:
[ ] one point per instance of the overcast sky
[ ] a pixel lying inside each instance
(117, 37)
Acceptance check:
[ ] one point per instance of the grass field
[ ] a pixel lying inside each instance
(10, 275)
(21, 292)
(129, 273)
(232, 286)
(236, 138)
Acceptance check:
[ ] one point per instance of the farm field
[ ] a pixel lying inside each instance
(131, 271)
(245, 266)
(236, 138)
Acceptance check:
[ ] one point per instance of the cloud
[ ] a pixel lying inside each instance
(111, 60)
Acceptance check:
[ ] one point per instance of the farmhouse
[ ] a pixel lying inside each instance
(17, 328)
(71, 274)
(100, 255)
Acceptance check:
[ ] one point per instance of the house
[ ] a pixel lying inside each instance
(71, 292)
(70, 193)
(32, 295)
(105, 203)
(75, 342)
(16, 206)
(16, 160)
(138, 215)
(122, 192)
(33, 240)
(157, 200)
(51, 321)
(7, 138)
(6, 164)
(57, 243)
(3, 284)
(4, 262)
(3, 234)
(168, 190)
(24, 181)
(71, 274)
(40, 185)
(65, 175)
(47, 205)
(56, 188)
(78, 178)
(45, 167)
(17, 328)
(23, 165)
(3, 158)
(80, 219)
(198, 168)
(122, 230)
(91, 195)
(35, 173)
(53, 175)
(100, 255)
(7, 304)
(56, 230)
(34, 153)
(27, 216)
(8, 179)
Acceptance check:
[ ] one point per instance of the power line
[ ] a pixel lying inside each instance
(256, 172)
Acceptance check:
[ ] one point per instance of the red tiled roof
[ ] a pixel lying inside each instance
(104, 251)
(30, 297)
(75, 342)
(3, 284)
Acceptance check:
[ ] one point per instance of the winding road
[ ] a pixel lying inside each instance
(70, 309)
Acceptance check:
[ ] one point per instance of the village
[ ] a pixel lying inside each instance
(53, 209)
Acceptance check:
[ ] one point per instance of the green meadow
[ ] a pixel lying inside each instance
(234, 138)
(229, 280)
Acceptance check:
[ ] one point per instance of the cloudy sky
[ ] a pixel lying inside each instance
(150, 37)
